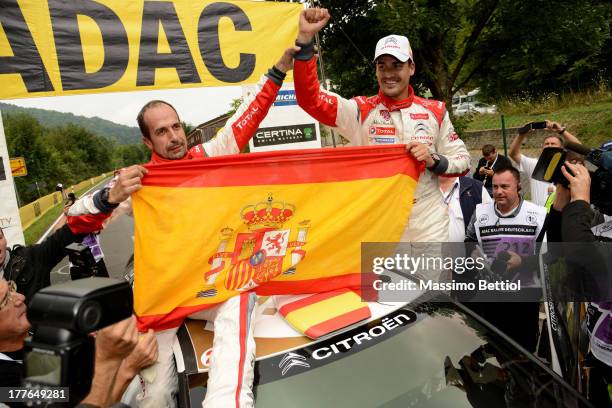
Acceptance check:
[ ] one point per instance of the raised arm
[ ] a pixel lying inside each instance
(243, 124)
(515, 147)
(326, 107)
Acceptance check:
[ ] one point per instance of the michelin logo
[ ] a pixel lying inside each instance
(285, 98)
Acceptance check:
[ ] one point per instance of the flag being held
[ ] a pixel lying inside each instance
(274, 222)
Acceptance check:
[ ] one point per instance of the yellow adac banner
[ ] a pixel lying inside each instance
(56, 47)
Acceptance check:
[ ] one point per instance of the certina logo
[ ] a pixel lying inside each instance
(284, 134)
(246, 118)
(285, 98)
(291, 360)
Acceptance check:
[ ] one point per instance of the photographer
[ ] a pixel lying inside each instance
(30, 266)
(119, 352)
(572, 219)
(539, 190)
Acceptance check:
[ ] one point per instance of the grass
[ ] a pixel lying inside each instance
(40, 226)
(588, 115)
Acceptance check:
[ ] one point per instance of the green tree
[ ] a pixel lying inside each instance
(234, 105)
(66, 154)
(24, 136)
(505, 46)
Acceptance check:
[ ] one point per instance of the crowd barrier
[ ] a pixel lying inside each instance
(31, 212)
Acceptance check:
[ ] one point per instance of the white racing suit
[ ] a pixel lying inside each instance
(231, 365)
(381, 120)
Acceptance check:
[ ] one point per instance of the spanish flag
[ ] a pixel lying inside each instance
(275, 222)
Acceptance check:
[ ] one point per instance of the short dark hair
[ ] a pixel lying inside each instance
(140, 118)
(487, 149)
(511, 169)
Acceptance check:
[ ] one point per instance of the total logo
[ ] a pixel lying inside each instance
(285, 98)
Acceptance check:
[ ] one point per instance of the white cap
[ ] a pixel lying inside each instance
(396, 45)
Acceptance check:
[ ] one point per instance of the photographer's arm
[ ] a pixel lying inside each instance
(113, 344)
(515, 147)
(577, 215)
(556, 127)
(143, 356)
(51, 251)
(552, 225)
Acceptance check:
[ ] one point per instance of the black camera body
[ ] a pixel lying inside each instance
(548, 169)
(83, 262)
(61, 352)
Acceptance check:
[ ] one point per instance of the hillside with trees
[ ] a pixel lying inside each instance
(118, 133)
(64, 154)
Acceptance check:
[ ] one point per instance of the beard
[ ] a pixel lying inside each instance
(174, 154)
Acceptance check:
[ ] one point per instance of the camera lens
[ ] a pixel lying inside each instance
(90, 316)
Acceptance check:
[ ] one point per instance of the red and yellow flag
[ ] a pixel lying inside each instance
(274, 222)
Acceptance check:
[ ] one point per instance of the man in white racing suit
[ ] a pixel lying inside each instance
(395, 115)
(231, 364)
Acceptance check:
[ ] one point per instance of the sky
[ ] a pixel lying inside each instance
(194, 105)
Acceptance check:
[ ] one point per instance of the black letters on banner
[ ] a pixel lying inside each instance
(26, 60)
(208, 39)
(70, 56)
(180, 56)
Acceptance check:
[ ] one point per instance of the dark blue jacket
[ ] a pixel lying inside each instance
(470, 195)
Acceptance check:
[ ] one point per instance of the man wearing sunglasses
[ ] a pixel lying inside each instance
(120, 354)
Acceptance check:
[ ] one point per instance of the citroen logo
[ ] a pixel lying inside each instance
(292, 360)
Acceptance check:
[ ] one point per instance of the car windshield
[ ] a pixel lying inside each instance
(435, 355)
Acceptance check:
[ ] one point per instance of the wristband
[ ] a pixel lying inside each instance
(100, 200)
(276, 75)
(306, 51)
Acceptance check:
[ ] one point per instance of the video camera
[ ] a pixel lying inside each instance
(548, 169)
(86, 259)
(61, 352)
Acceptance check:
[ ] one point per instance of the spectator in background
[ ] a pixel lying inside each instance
(509, 230)
(60, 188)
(540, 191)
(488, 163)
(461, 196)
